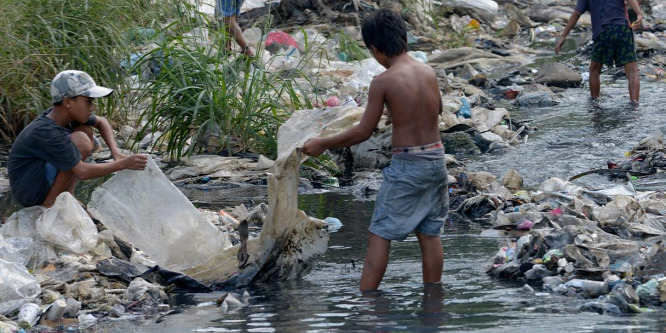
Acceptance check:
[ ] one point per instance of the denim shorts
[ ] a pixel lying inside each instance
(614, 46)
(227, 8)
(413, 197)
(50, 172)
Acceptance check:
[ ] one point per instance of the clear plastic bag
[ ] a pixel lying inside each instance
(17, 286)
(16, 249)
(68, 226)
(22, 225)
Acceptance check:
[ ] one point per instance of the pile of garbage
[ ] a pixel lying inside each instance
(605, 245)
(58, 268)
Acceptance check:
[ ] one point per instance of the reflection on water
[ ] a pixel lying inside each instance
(609, 116)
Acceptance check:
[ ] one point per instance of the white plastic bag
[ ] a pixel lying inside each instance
(67, 225)
(22, 225)
(17, 286)
(16, 249)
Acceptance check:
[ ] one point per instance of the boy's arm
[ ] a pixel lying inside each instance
(639, 14)
(106, 133)
(85, 171)
(359, 133)
(573, 19)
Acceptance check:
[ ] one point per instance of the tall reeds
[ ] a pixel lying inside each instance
(202, 95)
(44, 37)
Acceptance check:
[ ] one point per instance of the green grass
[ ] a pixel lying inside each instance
(44, 37)
(195, 93)
(202, 91)
(350, 49)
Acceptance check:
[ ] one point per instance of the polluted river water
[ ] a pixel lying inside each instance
(572, 137)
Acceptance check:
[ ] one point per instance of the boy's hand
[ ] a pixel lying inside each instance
(638, 23)
(135, 162)
(558, 45)
(313, 147)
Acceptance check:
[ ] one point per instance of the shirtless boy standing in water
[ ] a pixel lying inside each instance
(413, 196)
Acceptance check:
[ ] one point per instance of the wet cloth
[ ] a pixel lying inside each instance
(227, 8)
(604, 13)
(42, 141)
(413, 197)
(615, 46)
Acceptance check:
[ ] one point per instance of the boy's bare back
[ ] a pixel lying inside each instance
(411, 95)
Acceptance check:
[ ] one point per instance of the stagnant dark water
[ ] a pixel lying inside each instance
(573, 137)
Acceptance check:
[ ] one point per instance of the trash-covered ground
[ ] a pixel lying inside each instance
(605, 245)
(570, 239)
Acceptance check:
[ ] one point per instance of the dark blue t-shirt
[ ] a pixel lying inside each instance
(42, 141)
(604, 13)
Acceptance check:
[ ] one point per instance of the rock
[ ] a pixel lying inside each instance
(538, 272)
(538, 95)
(459, 143)
(373, 153)
(659, 11)
(487, 141)
(481, 180)
(482, 61)
(467, 71)
(559, 75)
(141, 289)
(553, 185)
(512, 180)
(484, 119)
(517, 15)
(649, 42)
(654, 141)
(561, 13)
(498, 148)
(510, 30)
(480, 9)
(552, 281)
(601, 308)
(528, 289)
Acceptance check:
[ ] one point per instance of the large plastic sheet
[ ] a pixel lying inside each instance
(147, 210)
(290, 241)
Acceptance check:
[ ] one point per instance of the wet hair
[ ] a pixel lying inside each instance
(385, 30)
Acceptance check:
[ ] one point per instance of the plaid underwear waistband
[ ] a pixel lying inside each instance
(417, 149)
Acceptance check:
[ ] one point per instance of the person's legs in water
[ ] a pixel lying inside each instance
(631, 70)
(595, 78)
(376, 260)
(66, 180)
(432, 256)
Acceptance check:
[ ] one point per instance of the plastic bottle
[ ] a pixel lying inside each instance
(464, 111)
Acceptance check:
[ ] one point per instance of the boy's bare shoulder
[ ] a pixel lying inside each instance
(408, 72)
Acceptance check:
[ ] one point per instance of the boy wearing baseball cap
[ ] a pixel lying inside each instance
(48, 157)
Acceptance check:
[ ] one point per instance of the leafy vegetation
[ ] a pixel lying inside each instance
(350, 49)
(202, 95)
(44, 37)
